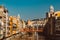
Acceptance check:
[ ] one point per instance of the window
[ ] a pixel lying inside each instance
(58, 18)
(55, 14)
(14, 26)
(0, 24)
(0, 17)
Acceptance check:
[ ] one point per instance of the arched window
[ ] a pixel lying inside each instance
(14, 26)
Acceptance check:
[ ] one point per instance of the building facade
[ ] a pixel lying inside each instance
(3, 20)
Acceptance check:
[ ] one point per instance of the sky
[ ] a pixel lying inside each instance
(30, 9)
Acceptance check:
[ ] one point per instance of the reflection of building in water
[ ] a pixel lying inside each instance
(36, 24)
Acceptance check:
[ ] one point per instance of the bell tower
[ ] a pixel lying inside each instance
(51, 9)
(51, 12)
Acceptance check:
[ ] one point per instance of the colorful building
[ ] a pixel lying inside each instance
(3, 20)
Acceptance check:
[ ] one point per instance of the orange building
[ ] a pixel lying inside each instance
(13, 25)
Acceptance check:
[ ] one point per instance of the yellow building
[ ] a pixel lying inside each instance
(57, 14)
(13, 24)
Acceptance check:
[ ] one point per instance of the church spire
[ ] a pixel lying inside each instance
(18, 16)
(51, 9)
